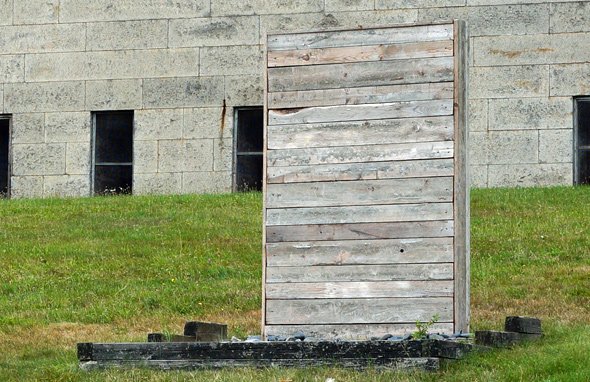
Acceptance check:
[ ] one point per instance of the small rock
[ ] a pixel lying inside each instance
(299, 336)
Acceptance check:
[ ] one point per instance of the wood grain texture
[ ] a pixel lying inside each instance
(361, 171)
(359, 214)
(369, 192)
(359, 273)
(344, 290)
(355, 133)
(360, 95)
(360, 252)
(359, 231)
(361, 53)
(360, 74)
(393, 363)
(462, 238)
(358, 331)
(361, 112)
(376, 36)
(358, 311)
(360, 154)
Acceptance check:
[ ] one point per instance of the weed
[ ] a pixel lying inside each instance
(422, 328)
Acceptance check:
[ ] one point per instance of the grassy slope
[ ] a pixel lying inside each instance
(113, 269)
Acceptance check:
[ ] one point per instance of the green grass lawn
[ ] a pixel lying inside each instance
(116, 268)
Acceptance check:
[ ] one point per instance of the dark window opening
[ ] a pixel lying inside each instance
(113, 153)
(582, 140)
(4, 156)
(248, 149)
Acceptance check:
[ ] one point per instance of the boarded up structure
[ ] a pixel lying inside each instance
(366, 201)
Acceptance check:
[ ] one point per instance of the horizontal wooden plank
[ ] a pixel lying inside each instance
(362, 95)
(357, 311)
(360, 214)
(363, 192)
(358, 273)
(364, 112)
(360, 252)
(356, 154)
(343, 290)
(332, 76)
(360, 231)
(357, 37)
(355, 133)
(352, 331)
(361, 171)
(361, 53)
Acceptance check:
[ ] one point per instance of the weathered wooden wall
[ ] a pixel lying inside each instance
(366, 220)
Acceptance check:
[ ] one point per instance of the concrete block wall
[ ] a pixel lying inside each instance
(181, 65)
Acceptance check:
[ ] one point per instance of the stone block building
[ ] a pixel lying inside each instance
(165, 96)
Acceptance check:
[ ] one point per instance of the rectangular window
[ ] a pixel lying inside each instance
(4, 156)
(248, 148)
(113, 152)
(582, 140)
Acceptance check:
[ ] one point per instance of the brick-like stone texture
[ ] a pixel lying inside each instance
(183, 92)
(207, 122)
(477, 115)
(12, 68)
(531, 113)
(158, 124)
(530, 175)
(494, 20)
(507, 147)
(39, 97)
(28, 128)
(78, 158)
(108, 10)
(570, 79)
(67, 127)
(183, 66)
(478, 176)
(114, 95)
(349, 5)
(141, 34)
(260, 7)
(145, 157)
(395, 4)
(216, 31)
(65, 186)
(223, 154)
(185, 155)
(232, 60)
(6, 7)
(36, 11)
(38, 159)
(570, 17)
(26, 187)
(244, 90)
(555, 146)
(535, 49)
(508, 81)
(118, 64)
(42, 38)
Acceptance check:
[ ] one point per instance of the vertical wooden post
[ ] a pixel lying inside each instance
(462, 245)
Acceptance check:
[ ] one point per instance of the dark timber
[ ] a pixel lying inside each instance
(423, 354)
